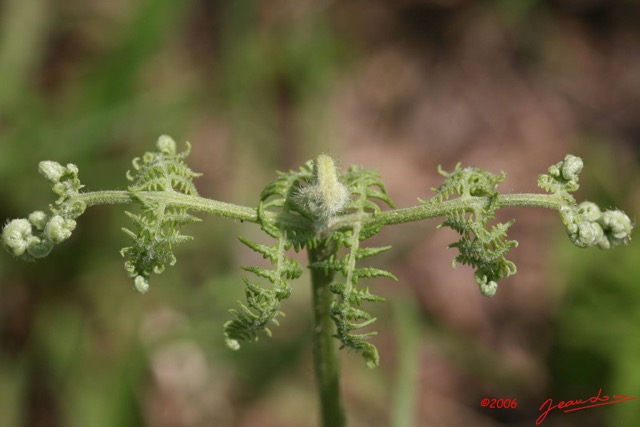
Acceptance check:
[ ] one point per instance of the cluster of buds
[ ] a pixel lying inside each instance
(588, 226)
(563, 176)
(35, 236)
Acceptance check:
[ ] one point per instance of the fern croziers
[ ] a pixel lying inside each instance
(325, 211)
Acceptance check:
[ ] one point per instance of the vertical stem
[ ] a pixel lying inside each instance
(406, 387)
(325, 355)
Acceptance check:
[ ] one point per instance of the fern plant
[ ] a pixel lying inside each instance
(330, 214)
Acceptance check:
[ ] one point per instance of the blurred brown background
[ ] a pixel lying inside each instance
(398, 86)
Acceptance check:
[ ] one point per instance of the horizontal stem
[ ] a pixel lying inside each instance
(435, 208)
(108, 197)
(192, 203)
(536, 200)
(430, 209)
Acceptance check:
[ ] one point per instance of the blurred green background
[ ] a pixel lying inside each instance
(399, 86)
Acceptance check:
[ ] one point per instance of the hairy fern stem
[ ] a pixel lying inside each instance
(325, 355)
(432, 208)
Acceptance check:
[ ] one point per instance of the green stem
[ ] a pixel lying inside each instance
(193, 203)
(429, 209)
(325, 355)
(408, 342)
(434, 208)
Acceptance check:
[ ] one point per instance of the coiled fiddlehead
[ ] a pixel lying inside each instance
(364, 186)
(156, 176)
(483, 247)
(34, 237)
(586, 224)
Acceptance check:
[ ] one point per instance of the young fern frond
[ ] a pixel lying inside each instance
(34, 237)
(158, 173)
(364, 186)
(481, 246)
(586, 224)
(263, 305)
(283, 196)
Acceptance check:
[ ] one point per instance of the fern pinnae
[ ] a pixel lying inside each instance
(348, 316)
(263, 304)
(481, 246)
(156, 228)
(367, 252)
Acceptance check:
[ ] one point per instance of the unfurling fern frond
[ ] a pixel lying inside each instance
(34, 237)
(586, 224)
(562, 178)
(156, 176)
(263, 304)
(364, 186)
(482, 246)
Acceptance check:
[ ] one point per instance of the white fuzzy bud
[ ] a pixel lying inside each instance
(589, 211)
(571, 167)
(166, 145)
(51, 170)
(589, 234)
(617, 227)
(15, 236)
(141, 284)
(488, 288)
(59, 229)
(232, 344)
(38, 219)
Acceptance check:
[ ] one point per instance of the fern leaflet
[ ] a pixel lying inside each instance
(263, 305)
(481, 246)
(156, 228)
(364, 186)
